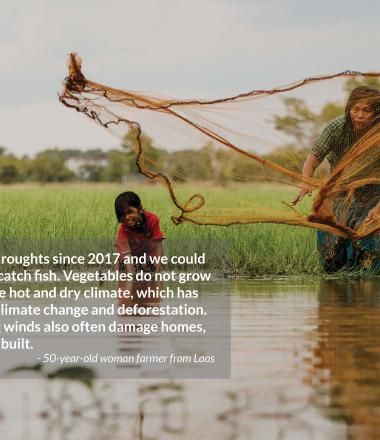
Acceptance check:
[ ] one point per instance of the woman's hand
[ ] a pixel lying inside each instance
(373, 214)
(310, 165)
(305, 189)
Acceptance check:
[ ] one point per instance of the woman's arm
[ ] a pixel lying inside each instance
(309, 167)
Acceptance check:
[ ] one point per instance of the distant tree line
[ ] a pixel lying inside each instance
(208, 163)
(66, 165)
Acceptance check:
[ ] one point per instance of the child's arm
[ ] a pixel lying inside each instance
(159, 252)
(158, 237)
(123, 248)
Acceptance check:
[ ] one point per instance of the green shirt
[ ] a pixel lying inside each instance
(335, 140)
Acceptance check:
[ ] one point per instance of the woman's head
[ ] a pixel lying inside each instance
(363, 107)
(128, 208)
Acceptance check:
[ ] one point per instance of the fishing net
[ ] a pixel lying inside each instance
(238, 160)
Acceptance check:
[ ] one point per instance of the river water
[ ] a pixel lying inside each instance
(305, 360)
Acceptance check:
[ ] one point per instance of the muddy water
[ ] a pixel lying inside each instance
(305, 364)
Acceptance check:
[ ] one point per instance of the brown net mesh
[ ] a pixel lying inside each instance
(212, 155)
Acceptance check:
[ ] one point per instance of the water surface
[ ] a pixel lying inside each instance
(305, 359)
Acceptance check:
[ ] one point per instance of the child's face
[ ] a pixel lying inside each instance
(132, 216)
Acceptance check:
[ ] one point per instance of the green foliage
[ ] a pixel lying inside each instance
(289, 156)
(303, 125)
(352, 83)
(117, 167)
(12, 169)
(298, 121)
(49, 166)
(238, 168)
(155, 157)
(330, 111)
(9, 170)
(190, 165)
(130, 140)
(91, 172)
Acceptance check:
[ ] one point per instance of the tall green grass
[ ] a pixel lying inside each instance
(78, 218)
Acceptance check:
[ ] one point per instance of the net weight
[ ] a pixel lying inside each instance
(99, 258)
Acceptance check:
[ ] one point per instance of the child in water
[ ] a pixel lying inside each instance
(139, 232)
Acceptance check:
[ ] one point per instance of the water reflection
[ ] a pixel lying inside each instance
(346, 371)
(305, 364)
(188, 337)
(61, 410)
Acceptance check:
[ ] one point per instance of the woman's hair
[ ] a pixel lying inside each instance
(124, 201)
(369, 94)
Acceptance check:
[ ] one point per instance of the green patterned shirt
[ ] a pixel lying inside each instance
(335, 140)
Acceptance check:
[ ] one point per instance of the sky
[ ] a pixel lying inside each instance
(180, 48)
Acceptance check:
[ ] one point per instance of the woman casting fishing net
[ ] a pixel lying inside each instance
(363, 205)
(198, 143)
